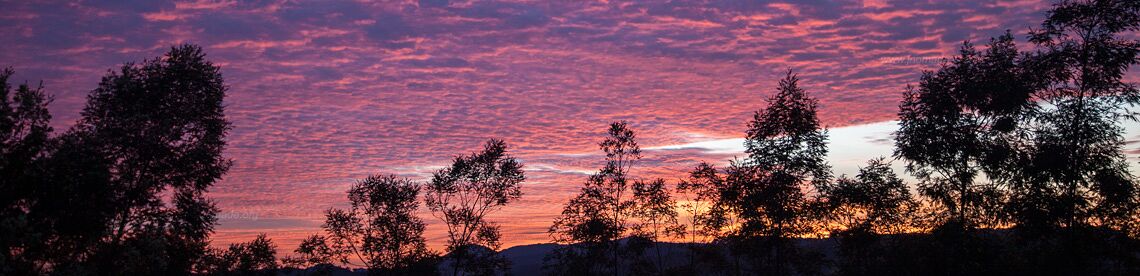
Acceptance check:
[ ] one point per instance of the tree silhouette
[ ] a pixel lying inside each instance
(962, 135)
(24, 139)
(24, 136)
(758, 204)
(656, 211)
(379, 232)
(313, 252)
(711, 217)
(256, 257)
(161, 125)
(592, 223)
(876, 202)
(122, 192)
(786, 150)
(463, 194)
(1078, 168)
(1042, 128)
(961, 122)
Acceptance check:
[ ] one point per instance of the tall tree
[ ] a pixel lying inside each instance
(759, 204)
(962, 123)
(1078, 173)
(786, 148)
(463, 194)
(605, 210)
(24, 137)
(962, 134)
(713, 217)
(161, 124)
(380, 230)
(24, 142)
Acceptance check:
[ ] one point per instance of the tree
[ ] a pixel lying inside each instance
(963, 135)
(161, 125)
(462, 195)
(24, 140)
(657, 211)
(593, 221)
(1077, 205)
(786, 149)
(963, 122)
(313, 252)
(758, 204)
(256, 257)
(711, 218)
(123, 190)
(876, 202)
(1078, 175)
(380, 231)
(1043, 128)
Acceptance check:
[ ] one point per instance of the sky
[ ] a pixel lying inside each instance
(322, 93)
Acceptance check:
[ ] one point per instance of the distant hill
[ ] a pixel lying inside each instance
(529, 259)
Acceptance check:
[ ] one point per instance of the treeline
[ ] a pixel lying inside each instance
(1018, 156)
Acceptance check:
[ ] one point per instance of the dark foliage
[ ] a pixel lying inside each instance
(859, 211)
(122, 192)
(379, 232)
(161, 126)
(256, 257)
(609, 207)
(27, 223)
(313, 252)
(786, 149)
(1077, 175)
(463, 194)
(961, 123)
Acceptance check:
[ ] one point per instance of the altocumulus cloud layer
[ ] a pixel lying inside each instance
(324, 92)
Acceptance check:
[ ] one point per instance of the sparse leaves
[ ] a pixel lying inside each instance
(380, 231)
(462, 195)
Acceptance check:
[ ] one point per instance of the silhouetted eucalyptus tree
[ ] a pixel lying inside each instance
(608, 208)
(711, 217)
(1043, 126)
(1078, 175)
(758, 205)
(963, 121)
(462, 195)
(963, 135)
(707, 218)
(786, 149)
(380, 230)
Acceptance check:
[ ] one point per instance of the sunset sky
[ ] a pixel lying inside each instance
(325, 92)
